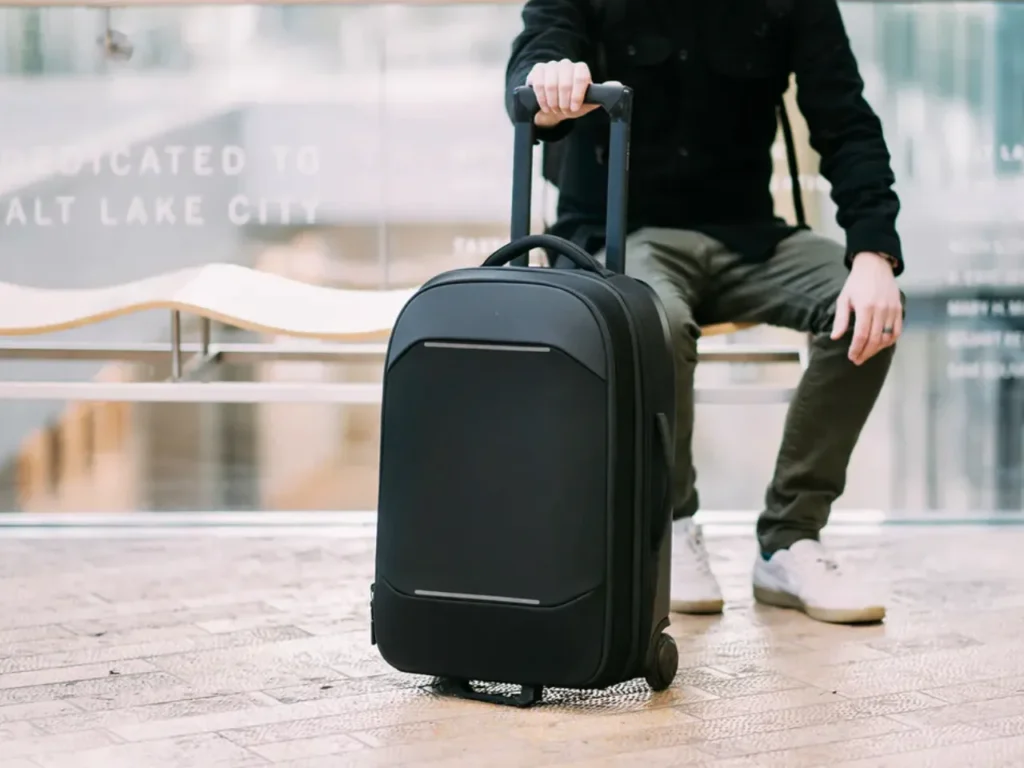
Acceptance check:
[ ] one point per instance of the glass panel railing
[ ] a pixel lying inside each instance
(365, 146)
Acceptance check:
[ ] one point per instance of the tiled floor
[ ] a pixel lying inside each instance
(198, 651)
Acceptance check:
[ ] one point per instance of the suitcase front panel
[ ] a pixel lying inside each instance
(494, 487)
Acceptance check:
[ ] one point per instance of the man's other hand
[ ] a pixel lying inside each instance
(560, 87)
(871, 295)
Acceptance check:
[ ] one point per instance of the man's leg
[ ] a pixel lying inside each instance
(797, 289)
(673, 263)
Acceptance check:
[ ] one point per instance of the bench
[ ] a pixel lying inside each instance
(324, 324)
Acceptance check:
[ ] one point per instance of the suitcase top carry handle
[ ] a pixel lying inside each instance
(524, 245)
(617, 100)
(613, 98)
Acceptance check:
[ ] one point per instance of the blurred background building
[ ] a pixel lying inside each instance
(386, 122)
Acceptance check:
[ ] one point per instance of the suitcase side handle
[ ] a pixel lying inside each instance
(523, 245)
(617, 100)
(665, 446)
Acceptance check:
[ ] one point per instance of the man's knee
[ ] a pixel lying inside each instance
(646, 262)
(826, 280)
(823, 313)
(682, 328)
(684, 332)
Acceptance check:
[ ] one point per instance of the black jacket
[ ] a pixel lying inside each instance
(708, 76)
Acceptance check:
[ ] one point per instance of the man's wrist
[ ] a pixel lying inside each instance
(890, 260)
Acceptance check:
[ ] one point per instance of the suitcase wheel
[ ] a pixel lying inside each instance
(663, 663)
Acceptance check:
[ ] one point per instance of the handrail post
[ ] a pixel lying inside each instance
(204, 331)
(175, 344)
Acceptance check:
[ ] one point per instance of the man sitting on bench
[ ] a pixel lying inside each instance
(708, 79)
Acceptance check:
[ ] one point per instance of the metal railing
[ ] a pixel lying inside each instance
(190, 361)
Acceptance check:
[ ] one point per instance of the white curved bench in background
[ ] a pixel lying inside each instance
(233, 295)
(336, 325)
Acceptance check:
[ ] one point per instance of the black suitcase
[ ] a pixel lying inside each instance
(524, 525)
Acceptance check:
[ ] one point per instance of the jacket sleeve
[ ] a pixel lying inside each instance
(552, 30)
(845, 131)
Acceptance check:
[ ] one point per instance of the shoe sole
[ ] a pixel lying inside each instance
(869, 615)
(697, 607)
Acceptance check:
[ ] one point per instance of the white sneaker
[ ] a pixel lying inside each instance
(694, 587)
(808, 578)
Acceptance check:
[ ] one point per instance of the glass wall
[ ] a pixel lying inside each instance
(948, 81)
(366, 146)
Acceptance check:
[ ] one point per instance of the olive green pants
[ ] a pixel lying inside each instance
(700, 282)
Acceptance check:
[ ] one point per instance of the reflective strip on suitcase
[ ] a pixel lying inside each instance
(486, 598)
(490, 347)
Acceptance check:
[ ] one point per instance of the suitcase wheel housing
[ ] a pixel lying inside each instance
(662, 663)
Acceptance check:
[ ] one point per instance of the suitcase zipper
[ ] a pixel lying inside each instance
(373, 630)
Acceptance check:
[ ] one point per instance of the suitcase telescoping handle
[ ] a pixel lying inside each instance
(617, 101)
